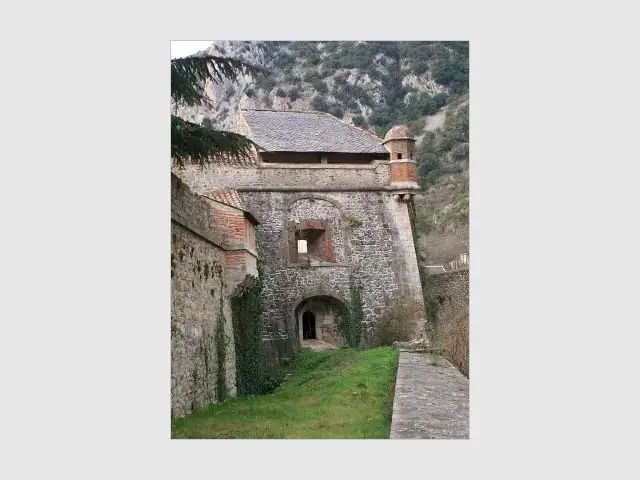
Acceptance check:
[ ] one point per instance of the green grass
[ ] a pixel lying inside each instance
(346, 393)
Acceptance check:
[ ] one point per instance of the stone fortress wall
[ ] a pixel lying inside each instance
(368, 225)
(452, 289)
(199, 304)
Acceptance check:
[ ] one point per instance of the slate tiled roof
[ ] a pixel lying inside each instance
(296, 131)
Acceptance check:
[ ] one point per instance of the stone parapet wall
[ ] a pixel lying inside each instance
(194, 212)
(275, 175)
(452, 289)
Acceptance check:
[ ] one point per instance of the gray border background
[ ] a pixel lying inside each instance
(85, 201)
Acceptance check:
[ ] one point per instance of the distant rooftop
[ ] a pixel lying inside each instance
(297, 131)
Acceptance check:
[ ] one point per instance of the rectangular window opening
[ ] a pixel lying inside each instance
(310, 242)
(399, 156)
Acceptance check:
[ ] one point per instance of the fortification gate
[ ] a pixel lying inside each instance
(332, 202)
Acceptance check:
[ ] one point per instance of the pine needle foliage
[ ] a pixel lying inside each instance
(202, 145)
(195, 143)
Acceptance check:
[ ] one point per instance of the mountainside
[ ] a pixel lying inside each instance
(373, 85)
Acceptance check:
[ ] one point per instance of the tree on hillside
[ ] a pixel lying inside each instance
(202, 144)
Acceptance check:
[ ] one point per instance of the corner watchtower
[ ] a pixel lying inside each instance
(400, 143)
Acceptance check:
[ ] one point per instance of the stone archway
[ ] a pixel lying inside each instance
(317, 321)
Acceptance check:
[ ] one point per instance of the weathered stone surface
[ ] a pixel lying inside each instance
(200, 306)
(325, 312)
(372, 240)
(430, 401)
(375, 175)
(199, 301)
(452, 291)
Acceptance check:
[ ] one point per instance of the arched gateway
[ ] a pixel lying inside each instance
(317, 319)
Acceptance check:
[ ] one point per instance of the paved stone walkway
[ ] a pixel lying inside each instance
(430, 401)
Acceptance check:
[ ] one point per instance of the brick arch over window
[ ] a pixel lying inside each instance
(319, 241)
(311, 196)
(323, 230)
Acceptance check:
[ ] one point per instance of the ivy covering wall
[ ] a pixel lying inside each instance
(252, 375)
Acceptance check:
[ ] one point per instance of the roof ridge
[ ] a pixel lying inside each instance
(353, 125)
(281, 111)
(365, 131)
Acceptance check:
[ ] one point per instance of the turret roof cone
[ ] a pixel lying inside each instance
(399, 132)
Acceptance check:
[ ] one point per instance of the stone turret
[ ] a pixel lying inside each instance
(400, 143)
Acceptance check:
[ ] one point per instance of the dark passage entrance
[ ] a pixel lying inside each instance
(308, 326)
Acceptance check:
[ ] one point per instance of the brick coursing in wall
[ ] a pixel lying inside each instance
(232, 222)
(319, 240)
(404, 172)
(236, 257)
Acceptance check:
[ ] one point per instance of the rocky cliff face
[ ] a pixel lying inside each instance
(374, 85)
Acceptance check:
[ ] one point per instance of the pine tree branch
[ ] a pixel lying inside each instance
(189, 75)
(201, 145)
